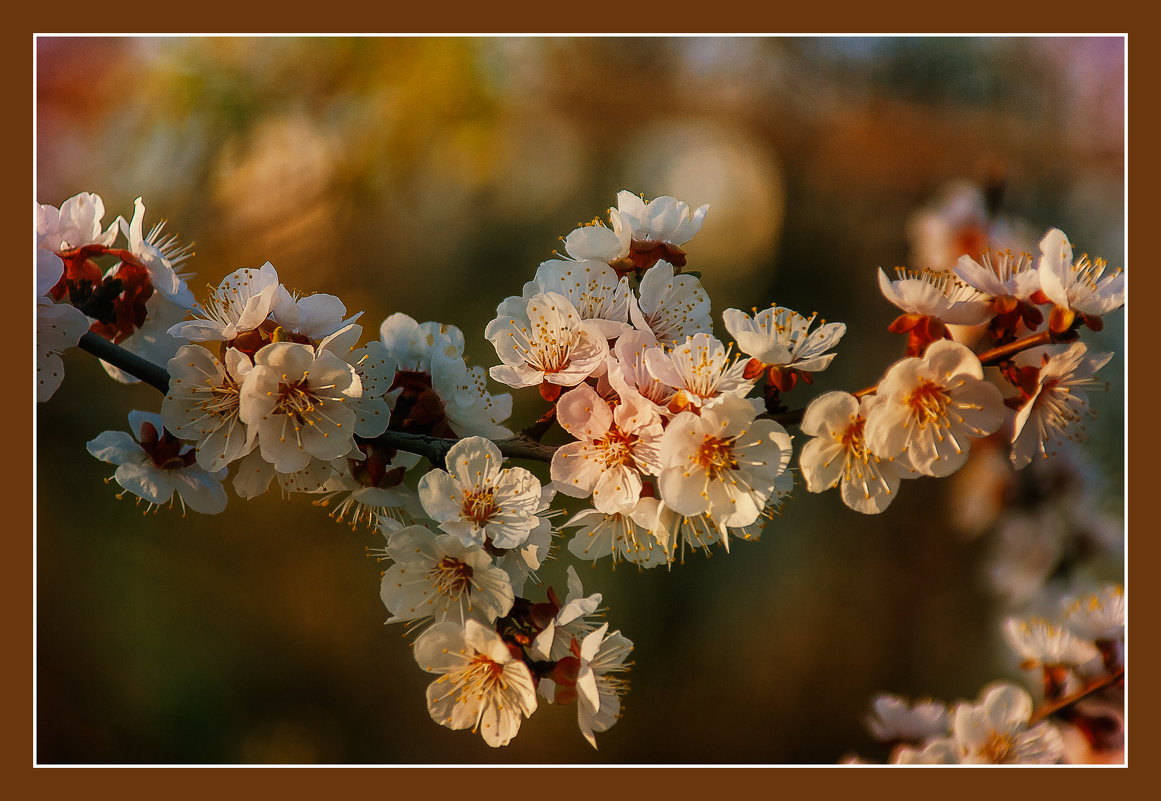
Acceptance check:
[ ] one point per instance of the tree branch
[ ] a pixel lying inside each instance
(1089, 690)
(153, 375)
(520, 446)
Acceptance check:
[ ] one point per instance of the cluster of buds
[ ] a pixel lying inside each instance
(1080, 717)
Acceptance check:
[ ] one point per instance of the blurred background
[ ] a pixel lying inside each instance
(431, 176)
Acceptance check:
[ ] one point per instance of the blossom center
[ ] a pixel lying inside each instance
(451, 577)
(999, 748)
(480, 505)
(716, 456)
(164, 449)
(852, 439)
(617, 446)
(928, 403)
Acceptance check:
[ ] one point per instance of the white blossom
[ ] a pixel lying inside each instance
(1055, 402)
(933, 406)
(894, 718)
(481, 687)
(478, 500)
(1084, 285)
(995, 730)
(615, 447)
(545, 340)
(1039, 642)
(439, 577)
(671, 307)
(837, 453)
(153, 465)
(702, 371)
(781, 337)
(723, 464)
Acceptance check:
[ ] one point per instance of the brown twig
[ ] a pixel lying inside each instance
(1086, 691)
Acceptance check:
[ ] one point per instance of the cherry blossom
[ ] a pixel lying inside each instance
(295, 399)
(1039, 643)
(481, 687)
(701, 370)
(723, 464)
(1086, 287)
(571, 621)
(478, 501)
(545, 340)
(781, 337)
(592, 287)
(615, 447)
(671, 307)
(588, 676)
(838, 455)
(933, 407)
(1053, 401)
(203, 403)
(635, 536)
(439, 577)
(153, 464)
(241, 303)
(995, 730)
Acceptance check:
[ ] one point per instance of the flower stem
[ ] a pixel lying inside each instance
(153, 375)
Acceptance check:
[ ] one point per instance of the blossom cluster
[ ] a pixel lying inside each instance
(1081, 663)
(675, 439)
(668, 446)
(922, 416)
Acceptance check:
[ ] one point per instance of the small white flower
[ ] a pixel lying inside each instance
(481, 686)
(571, 621)
(1084, 286)
(153, 464)
(642, 232)
(634, 536)
(294, 400)
(702, 371)
(241, 303)
(1055, 402)
(935, 294)
(837, 454)
(1100, 615)
(615, 447)
(592, 287)
(894, 718)
(203, 402)
(996, 730)
(597, 690)
(478, 500)
(672, 307)
(933, 407)
(77, 223)
(724, 464)
(545, 340)
(1038, 642)
(781, 337)
(439, 577)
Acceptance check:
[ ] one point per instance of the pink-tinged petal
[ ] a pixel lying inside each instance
(583, 413)
(684, 491)
(474, 460)
(575, 469)
(829, 412)
(617, 490)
